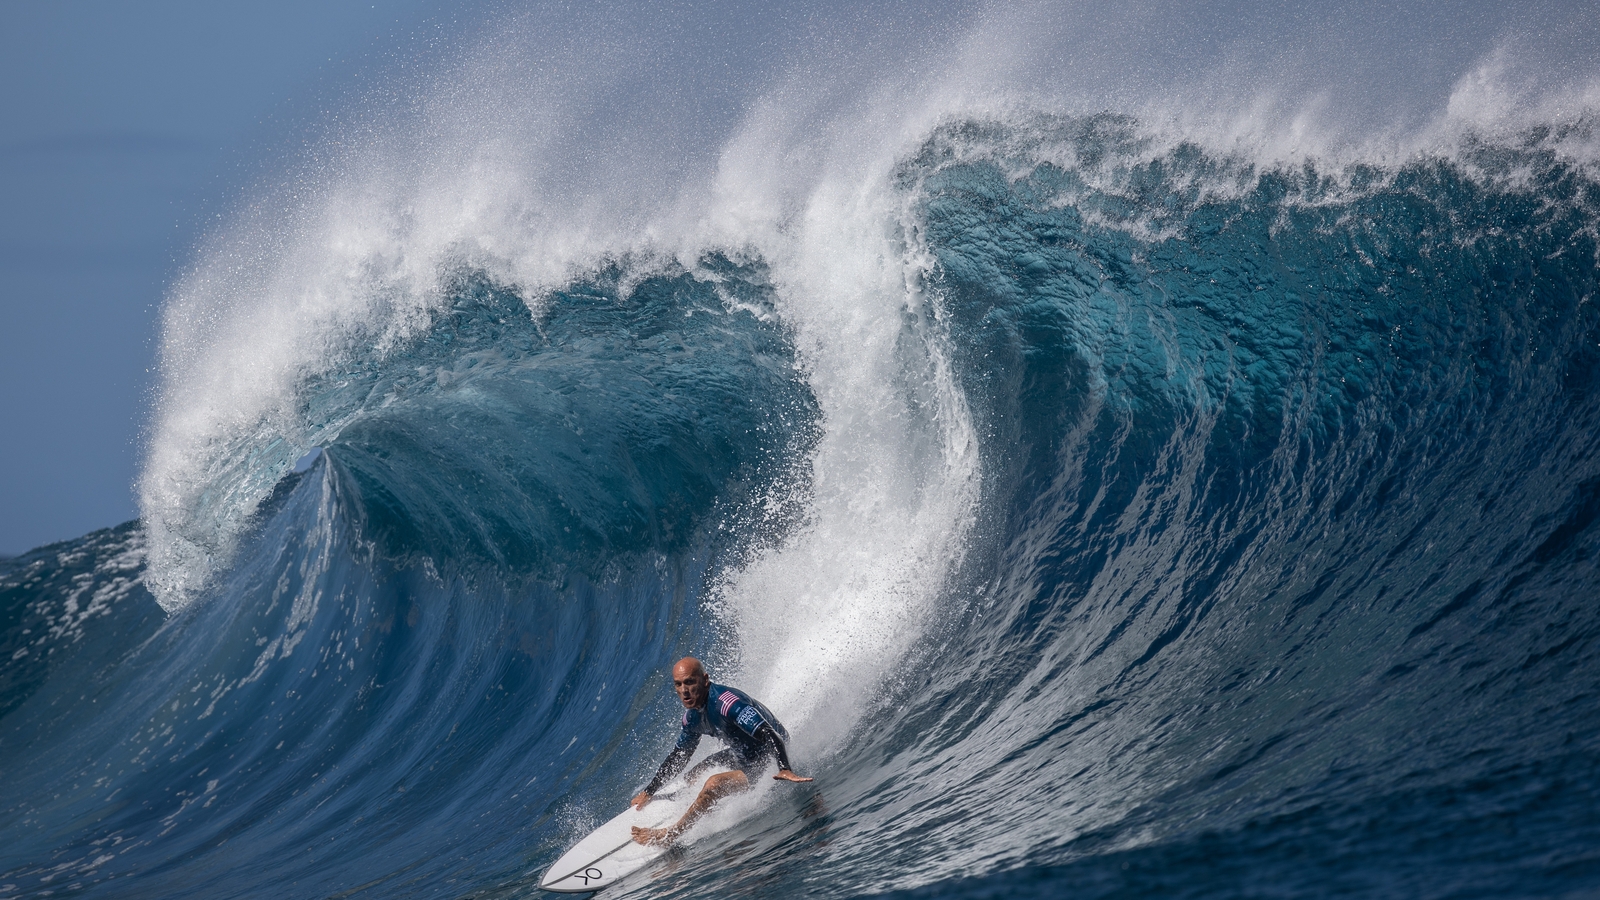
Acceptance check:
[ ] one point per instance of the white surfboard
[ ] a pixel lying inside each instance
(609, 853)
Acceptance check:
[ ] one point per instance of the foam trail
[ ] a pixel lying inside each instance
(895, 477)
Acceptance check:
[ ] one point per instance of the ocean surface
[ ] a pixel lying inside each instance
(1106, 512)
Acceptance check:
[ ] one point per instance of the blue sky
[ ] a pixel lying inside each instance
(123, 127)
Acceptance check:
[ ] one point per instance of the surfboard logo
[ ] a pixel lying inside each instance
(590, 874)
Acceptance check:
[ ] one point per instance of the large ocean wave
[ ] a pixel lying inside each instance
(1106, 502)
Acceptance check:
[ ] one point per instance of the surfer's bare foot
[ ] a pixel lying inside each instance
(652, 836)
(786, 775)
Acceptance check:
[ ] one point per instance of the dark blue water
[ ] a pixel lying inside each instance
(1254, 552)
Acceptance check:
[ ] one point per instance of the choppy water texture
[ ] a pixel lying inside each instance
(1172, 523)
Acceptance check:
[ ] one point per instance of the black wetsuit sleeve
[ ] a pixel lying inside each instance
(772, 744)
(674, 763)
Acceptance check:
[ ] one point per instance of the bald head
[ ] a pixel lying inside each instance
(690, 682)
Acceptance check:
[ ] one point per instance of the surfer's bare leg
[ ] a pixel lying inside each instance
(717, 786)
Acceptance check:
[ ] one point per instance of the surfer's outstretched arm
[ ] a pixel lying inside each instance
(774, 746)
(670, 767)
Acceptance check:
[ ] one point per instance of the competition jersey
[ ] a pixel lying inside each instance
(731, 715)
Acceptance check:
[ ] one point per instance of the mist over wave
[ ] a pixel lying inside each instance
(1176, 482)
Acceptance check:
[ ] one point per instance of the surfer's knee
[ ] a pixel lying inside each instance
(726, 783)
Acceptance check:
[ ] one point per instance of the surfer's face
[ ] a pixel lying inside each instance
(691, 685)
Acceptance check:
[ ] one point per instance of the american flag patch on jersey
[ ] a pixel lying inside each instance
(728, 700)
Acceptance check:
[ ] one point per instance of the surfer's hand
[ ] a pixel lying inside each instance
(641, 799)
(787, 775)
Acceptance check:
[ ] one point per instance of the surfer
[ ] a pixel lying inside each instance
(752, 733)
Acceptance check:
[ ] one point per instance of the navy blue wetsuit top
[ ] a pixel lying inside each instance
(733, 716)
(750, 730)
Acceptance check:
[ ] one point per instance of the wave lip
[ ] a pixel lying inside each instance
(610, 422)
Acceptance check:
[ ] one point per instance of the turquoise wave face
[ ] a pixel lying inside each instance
(618, 420)
(1283, 563)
